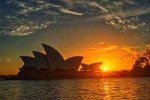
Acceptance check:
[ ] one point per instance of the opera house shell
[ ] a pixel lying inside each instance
(91, 67)
(51, 65)
(29, 62)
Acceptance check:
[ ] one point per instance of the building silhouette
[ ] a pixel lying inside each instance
(55, 59)
(53, 65)
(41, 61)
(29, 62)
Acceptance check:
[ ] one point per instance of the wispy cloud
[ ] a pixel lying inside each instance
(94, 4)
(25, 18)
(100, 47)
(108, 48)
(129, 50)
(101, 43)
(5, 60)
(148, 45)
(8, 60)
(67, 11)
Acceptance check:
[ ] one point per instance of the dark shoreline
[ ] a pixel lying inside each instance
(15, 77)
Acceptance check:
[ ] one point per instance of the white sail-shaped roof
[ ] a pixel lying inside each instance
(40, 60)
(55, 59)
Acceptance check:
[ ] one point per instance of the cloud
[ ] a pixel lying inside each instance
(5, 60)
(71, 12)
(8, 60)
(101, 43)
(125, 19)
(103, 48)
(129, 50)
(27, 17)
(111, 47)
(125, 50)
(148, 45)
(27, 29)
(98, 6)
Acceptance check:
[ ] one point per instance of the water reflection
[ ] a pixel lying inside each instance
(106, 90)
(77, 89)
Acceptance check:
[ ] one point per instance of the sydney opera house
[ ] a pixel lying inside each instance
(53, 65)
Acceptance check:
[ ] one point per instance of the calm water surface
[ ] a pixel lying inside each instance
(77, 89)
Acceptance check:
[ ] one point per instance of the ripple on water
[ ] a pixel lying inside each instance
(77, 89)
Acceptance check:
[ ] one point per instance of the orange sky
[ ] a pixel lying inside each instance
(99, 43)
(114, 57)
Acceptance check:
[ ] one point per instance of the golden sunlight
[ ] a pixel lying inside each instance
(104, 68)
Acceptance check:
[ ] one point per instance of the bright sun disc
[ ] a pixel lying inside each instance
(105, 68)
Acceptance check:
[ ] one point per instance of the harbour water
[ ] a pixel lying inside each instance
(77, 89)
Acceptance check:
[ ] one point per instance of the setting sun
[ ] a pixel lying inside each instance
(105, 68)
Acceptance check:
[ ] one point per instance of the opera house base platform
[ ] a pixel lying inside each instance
(52, 65)
(46, 75)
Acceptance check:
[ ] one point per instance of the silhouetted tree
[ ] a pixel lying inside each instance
(142, 65)
(147, 53)
(146, 70)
